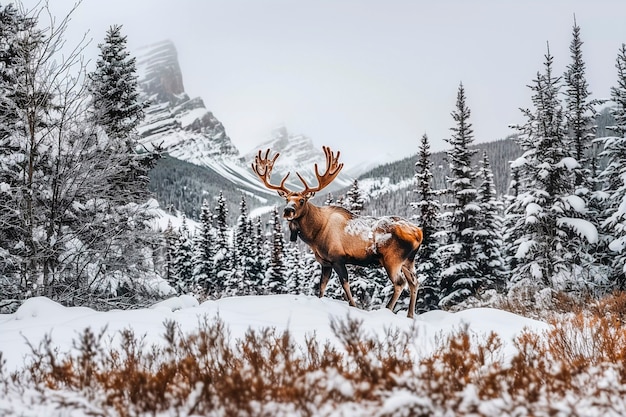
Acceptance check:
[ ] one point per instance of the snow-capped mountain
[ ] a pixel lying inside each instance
(188, 131)
(184, 126)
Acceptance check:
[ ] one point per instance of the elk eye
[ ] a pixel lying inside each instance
(302, 201)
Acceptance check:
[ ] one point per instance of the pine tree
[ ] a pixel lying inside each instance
(259, 263)
(428, 267)
(223, 254)
(580, 111)
(275, 275)
(581, 115)
(118, 110)
(355, 202)
(170, 237)
(547, 213)
(204, 254)
(183, 265)
(614, 225)
(491, 265)
(243, 258)
(114, 87)
(11, 258)
(459, 277)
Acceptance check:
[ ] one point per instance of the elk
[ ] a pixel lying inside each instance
(338, 237)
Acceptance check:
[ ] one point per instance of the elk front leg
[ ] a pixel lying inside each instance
(342, 271)
(326, 271)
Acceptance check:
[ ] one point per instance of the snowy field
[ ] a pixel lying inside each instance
(301, 315)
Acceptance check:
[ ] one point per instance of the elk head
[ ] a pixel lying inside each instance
(296, 200)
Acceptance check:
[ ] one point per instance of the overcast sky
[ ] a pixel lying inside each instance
(367, 77)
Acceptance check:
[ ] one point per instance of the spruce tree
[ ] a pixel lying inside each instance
(170, 237)
(614, 225)
(11, 258)
(355, 202)
(275, 282)
(114, 87)
(580, 116)
(118, 110)
(547, 213)
(260, 258)
(183, 266)
(204, 254)
(427, 265)
(491, 265)
(243, 258)
(223, 254)
(459, 276)
(580, 111)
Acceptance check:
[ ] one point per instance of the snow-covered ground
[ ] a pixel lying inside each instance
(301, 315)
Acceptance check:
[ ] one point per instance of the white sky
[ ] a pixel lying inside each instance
(368, 77)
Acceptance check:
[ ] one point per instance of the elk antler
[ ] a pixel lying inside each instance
(332, 170)
(263, 166)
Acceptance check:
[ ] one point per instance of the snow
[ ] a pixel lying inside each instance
(577, 203)
(533, 209)
(569, 163)
(162, 218)
(581, 227)
(301, 315)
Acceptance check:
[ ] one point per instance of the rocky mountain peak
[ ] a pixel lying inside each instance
(183, 125)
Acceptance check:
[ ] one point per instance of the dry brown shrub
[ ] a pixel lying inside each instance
(207, 373)
(613, 304)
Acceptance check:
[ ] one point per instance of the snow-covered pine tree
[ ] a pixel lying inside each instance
(114, 88)
(11, 257)
(547, 214)
(243, 253)
(118, 110)
(355, 202)
(580, 116)
(223, 254)
(459, 276)
(618, 95)
(204, 252)
(274, 282)
(294, 269)
(491, 265)
(580, 112)
(614, 225)
(427, 265)
(259, 257)
(170, 237)
(183, 279)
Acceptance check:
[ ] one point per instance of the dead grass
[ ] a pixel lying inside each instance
(580, 364)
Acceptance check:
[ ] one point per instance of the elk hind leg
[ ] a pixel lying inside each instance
(411, 279)
(342, 271)
(398, 285)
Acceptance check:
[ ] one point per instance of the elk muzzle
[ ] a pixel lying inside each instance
(289, 211)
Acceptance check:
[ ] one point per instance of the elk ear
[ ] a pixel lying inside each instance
(308, 195)
(282, 193)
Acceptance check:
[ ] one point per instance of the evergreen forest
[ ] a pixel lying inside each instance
(540, 213)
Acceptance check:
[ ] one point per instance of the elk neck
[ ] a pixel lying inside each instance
(309, 223)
